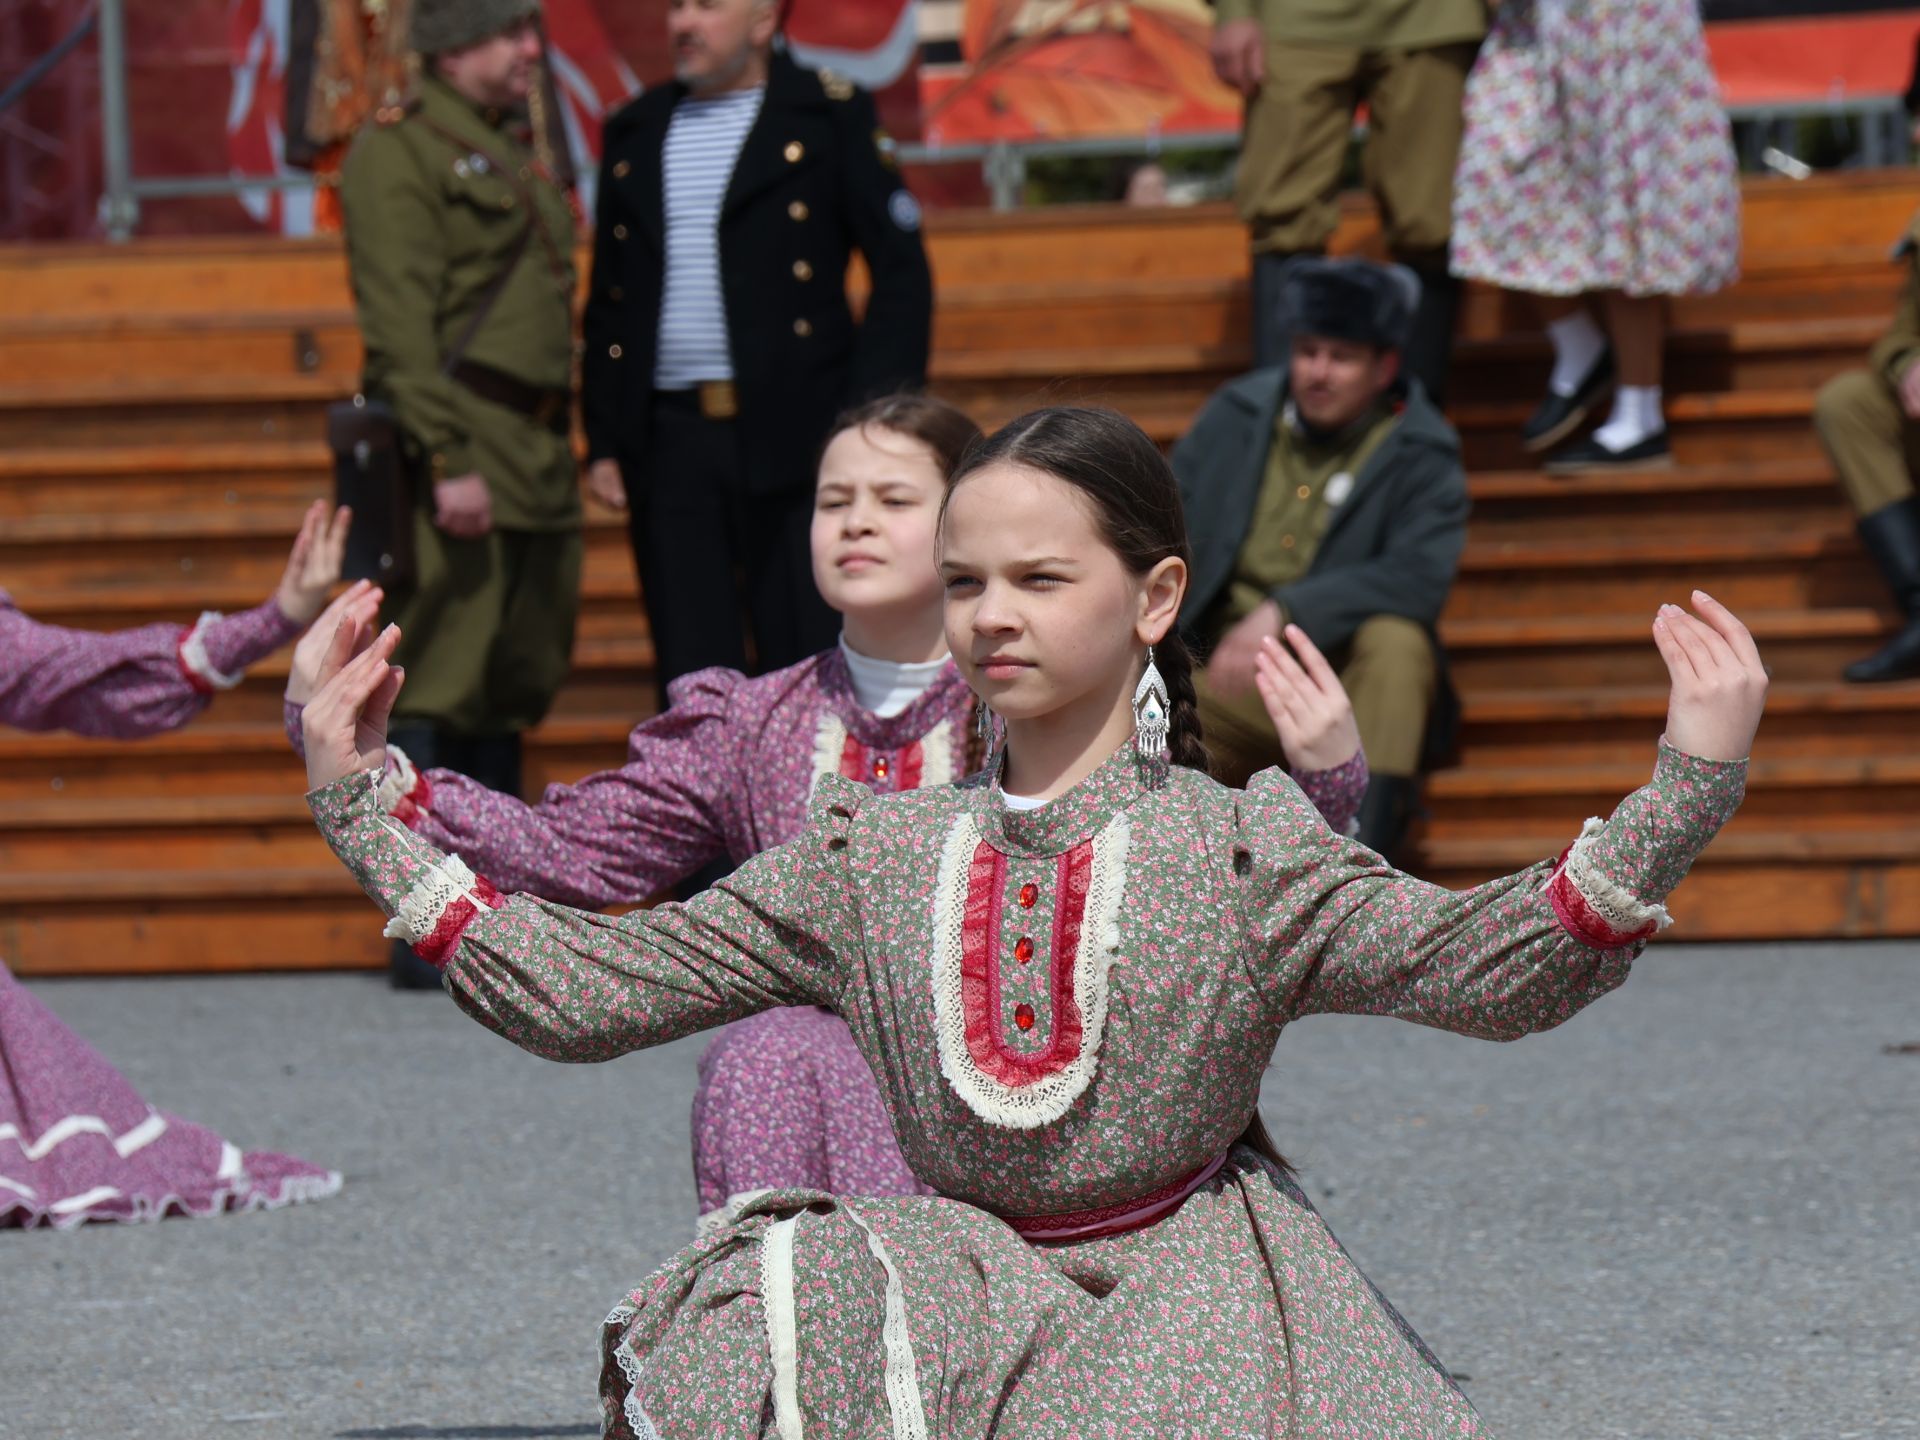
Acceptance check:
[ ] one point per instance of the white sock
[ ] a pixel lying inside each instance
(1577, 343)
(1636, 416)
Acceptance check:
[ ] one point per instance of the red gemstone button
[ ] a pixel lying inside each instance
(880, 768)
(1023, 1016)
(1029, 896)
(1023, 949)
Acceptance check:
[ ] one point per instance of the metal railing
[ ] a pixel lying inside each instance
(1004, 165)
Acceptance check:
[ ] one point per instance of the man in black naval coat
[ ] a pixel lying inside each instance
(719, 342)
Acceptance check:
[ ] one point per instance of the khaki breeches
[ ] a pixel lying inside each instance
(1298, 126)
(1873, 444)
(486, 629)
(1390, 674)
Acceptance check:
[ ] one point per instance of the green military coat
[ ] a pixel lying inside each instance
(436, 204)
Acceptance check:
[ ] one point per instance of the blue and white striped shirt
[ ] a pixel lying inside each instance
(703, 143)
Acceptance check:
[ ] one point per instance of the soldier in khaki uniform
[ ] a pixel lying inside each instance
(443, 199)
(461, 246)
(1327, 494)
(1869, 421)
(1306, 67)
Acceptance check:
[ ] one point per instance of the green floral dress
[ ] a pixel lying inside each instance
(1068, 1011)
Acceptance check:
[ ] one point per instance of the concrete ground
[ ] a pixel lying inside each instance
(1692, 1212)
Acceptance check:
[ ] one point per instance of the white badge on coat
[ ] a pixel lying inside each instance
(1339, 488)
(905, 210)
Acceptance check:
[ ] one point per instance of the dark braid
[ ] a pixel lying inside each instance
(1136, 502)
(1186, 745)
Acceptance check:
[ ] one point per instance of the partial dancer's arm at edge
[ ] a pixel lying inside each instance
(128, 683)
(575, 986)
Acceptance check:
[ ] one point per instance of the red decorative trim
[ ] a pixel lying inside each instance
(1580, 920)
(1116, 1219)
(980, 986)
(413, 806)
(201, 685)
(854, 761)
(438, 947)
(909, 769)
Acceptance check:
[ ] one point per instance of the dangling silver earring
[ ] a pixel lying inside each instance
(988, 734)
(1152, 718)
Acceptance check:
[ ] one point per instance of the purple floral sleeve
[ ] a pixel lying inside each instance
(1337, 792)
(127, 683)
(1347, 934)
(572, 985)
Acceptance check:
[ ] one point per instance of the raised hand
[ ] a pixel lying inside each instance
(1306, 702)
(360, 602)
(345, 724)
(1719, 684)
(313, 565)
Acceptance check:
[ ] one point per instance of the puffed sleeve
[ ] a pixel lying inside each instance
(127, 683)
(614, 838)
(1333, 928)
(576, 986)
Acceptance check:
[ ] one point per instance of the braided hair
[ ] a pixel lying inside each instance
(1136, 502)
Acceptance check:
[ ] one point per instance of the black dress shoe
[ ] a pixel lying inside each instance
(1652, 453)
(1560, 415)
(1898, 659)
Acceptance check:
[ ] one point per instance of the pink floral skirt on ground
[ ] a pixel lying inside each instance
(787, 1101)
(1597, 154)
(78, 1143)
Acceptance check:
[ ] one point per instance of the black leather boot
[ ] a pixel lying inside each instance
(494, 760)
(1385, 811)
(1272, 341)
(1429, 352)
(1892, 537)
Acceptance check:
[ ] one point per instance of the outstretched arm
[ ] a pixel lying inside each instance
(564, 983)
(1346, 933)
(132, 683)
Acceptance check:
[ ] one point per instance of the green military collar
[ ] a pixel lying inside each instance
(446, 107)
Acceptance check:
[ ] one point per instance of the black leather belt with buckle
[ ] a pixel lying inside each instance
(549, 409)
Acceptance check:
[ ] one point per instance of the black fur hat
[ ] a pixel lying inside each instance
(1349, 299)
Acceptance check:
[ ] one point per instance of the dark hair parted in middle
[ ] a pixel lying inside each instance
(946, 430)
(1136, 503)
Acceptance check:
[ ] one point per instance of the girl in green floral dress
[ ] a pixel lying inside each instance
(1068, 977)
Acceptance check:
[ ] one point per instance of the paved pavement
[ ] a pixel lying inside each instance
(1692, 1212)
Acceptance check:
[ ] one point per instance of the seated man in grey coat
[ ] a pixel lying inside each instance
(1327, 493)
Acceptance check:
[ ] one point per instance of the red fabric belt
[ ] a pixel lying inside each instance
(1114, 1219)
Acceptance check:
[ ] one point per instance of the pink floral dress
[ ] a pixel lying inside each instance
(1068, 1011)
(1597, 154)
(785, 1097)
(77, 1141)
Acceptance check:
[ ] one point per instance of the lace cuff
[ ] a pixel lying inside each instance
(1594, 908)
(404, 791)
(197, 665)
(438, 909)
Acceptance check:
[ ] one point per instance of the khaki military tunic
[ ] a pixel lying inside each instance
(438, 205)
(1874, 444)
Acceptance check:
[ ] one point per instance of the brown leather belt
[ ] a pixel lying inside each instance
(718, 399)
(550, 409)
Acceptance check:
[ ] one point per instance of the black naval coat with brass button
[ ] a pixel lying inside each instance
(815, 181)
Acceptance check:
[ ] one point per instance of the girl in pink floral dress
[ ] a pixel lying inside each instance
(1597, 166)
(785, 1098)
(77, 1141)
(1068, 978)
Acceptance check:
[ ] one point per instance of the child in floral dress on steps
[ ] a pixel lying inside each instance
(1068, 979)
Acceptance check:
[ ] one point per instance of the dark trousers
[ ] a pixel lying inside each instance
(716, 564)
